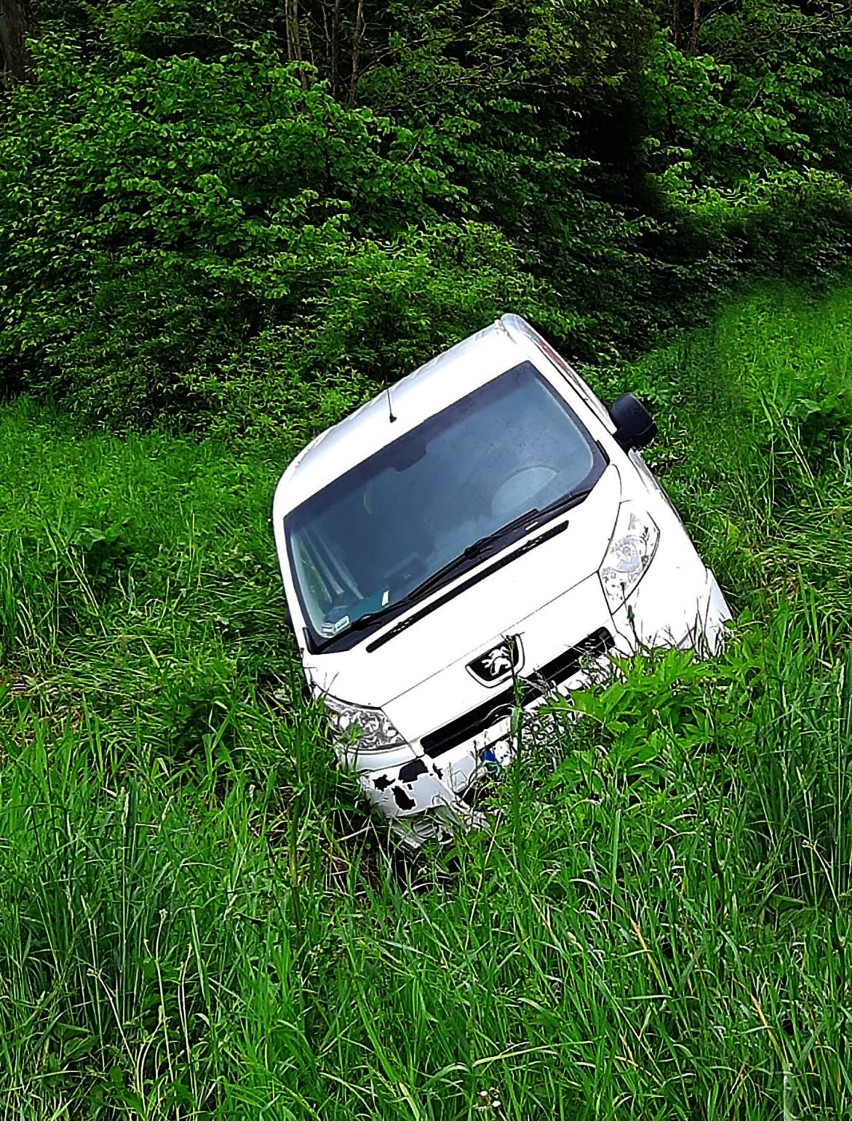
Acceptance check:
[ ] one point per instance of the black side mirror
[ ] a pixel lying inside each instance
(634, 425)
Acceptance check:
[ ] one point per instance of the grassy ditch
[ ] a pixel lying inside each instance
(195, 920)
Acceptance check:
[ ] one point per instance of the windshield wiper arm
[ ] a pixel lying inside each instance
(566, 502)
(474, 551)
(527, 521)
(368, 619)
(361, 623)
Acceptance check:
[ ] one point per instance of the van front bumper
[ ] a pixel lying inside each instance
(426, 798)
(423, 797)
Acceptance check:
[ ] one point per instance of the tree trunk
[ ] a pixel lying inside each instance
(356, 52)
(677, 31)
(16, 24)
(292, 30)
(696, 25)
(334, 51)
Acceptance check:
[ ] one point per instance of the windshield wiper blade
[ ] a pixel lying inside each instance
(566, 502)
(472, 552)
(527, 521)
(525, 547)
(484, 543)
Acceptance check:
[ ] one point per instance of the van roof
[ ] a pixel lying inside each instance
(430, 388)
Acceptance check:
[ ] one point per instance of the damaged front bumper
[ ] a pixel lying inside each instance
(429, 798)
(422, 798)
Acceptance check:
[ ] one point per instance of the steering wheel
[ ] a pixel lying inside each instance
(521, 487)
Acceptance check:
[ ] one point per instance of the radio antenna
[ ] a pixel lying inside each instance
(391, 417)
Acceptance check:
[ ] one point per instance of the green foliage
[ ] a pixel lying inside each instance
(203, 210)
(794, 57)
(377, 320)
(739, 143)
(510, 88)
(723, 124)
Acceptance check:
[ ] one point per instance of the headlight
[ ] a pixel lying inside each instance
(629, 555)
(359, 729)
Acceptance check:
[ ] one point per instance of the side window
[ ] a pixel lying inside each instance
(314, 586)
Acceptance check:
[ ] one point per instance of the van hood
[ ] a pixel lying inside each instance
(438, 647)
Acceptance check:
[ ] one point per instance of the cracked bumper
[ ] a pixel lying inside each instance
(422, 797)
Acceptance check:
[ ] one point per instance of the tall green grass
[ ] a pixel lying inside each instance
(196, 921)
(756, 413)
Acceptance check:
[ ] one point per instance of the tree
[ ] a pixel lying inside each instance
(17, 18)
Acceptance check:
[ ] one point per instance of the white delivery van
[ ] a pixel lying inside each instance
(483, 532)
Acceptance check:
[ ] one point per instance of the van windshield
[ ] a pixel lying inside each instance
(366, 543)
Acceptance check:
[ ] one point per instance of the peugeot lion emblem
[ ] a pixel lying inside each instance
(497, 664)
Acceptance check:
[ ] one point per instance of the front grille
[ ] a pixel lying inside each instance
(565, 665)
(499, 705)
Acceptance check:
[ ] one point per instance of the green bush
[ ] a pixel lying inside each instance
(195, 231)
(163, 218)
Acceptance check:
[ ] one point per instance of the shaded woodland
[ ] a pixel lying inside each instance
(204, 209)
